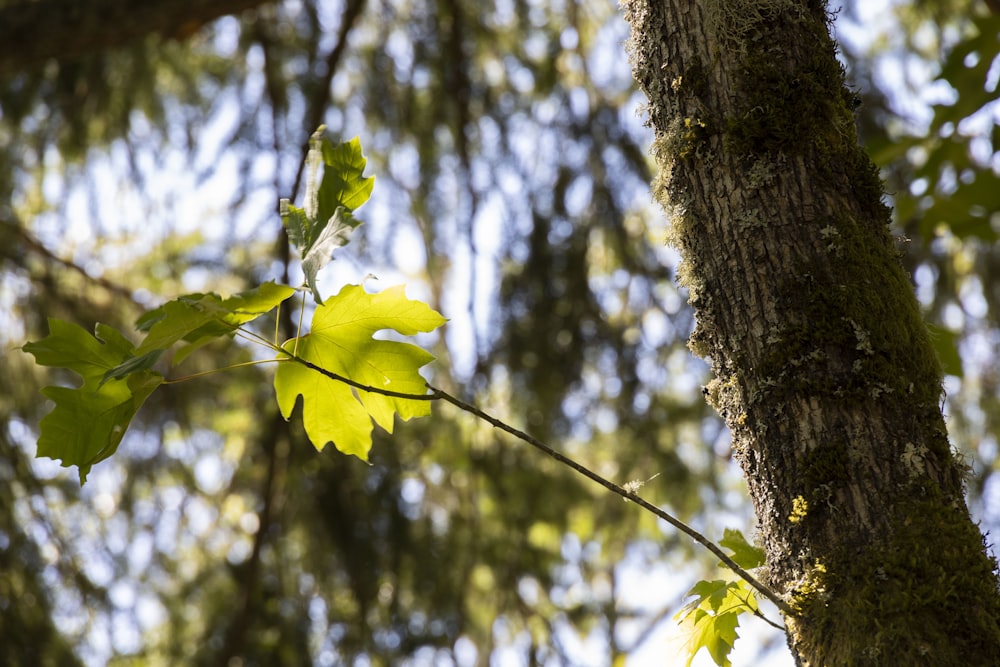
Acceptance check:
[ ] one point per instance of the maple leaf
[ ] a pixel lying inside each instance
(87, 424)
(326, 221)
(711, 619)
(198, 319)
(340, 341)
(745, 555)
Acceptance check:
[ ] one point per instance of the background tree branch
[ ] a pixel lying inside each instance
(34, 32)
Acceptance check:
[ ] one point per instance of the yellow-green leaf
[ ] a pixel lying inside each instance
(744, 554)
(198, 318)
(711, 619)
(340, 341)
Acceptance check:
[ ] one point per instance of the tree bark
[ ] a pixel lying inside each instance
(823, 368)
(33, 31)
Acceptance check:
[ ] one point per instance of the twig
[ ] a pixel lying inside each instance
(614, 488)
(357, 385)
(755, 610)
(318, 109)
(439, 394)
(37, 246)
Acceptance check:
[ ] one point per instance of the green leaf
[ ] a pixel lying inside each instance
(143, 362)
(340, 341)
(296, 224)
(326, 221)
(87, 424)
(199, 318)
(331, 237)
(70, 346)
(711, 619)
(344, 183)
(745, 554)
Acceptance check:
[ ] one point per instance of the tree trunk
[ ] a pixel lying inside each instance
(823, 368)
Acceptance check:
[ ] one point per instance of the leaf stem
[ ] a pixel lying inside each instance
(212, 371)
(298, 332)
(252, 337)
(277, 326)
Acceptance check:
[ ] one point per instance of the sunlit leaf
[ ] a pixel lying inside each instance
(197, 318)
(340, 341)
(344, 183)
(331, 237)
(744, 554)
(326, 221)
(711, 619)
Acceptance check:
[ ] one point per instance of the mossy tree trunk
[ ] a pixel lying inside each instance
(823, 368)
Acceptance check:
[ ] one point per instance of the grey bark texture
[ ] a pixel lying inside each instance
(823, 367)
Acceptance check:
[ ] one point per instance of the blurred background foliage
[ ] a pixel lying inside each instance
(512, 194)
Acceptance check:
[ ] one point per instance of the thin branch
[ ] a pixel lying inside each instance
(438, 394)
(614, 488)
(37, 246)
(759, 614)
(317, 109)
(357, 385)
(33, 32)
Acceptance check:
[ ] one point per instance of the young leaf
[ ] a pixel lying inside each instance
(296, 224)
(745, 554)
(143, 362)
(331, 237)
(326, 221)
(199, 318)
(340, 341)
(314, 158)
(344, 183)
(712, 617)
(87, 424)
